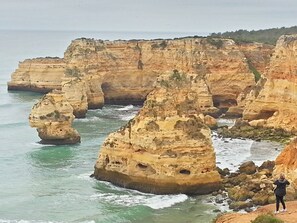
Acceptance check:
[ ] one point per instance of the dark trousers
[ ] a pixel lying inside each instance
(280, 199)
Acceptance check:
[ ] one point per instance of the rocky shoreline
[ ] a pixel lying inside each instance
(242, 129)
(167, 147)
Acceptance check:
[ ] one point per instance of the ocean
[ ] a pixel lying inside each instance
(46, 183)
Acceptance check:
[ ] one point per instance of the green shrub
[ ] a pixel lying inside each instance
(176, 76)
(256, 73)
(161, 45)
(267, 218)
(268, 36)
(164, 83)
(218, 43)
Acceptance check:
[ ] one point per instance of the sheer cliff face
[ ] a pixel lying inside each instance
(166, 148)
(273, 104)
(129, 68)
(41, 75)
(286, 163)
(53, 117)
(124, 71)
(258, 55)
(75, 92)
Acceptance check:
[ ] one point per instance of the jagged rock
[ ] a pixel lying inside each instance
(53, 117)
(248, 167)
(268, 165)
(274, 103)
(260, 199)
(223, 172)
(240, 194)
(166, 148)
(75, 93)
(257, 54)
(211, 122)
(243, 129)
(240, 205)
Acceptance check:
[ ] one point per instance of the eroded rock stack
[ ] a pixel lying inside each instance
(53, 117)
(166, 148)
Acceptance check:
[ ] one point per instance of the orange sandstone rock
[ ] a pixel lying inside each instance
(53, 117)
(40, 74)
(273, 103)
(257, 54)
(286, 163)
(166, 148)
(124, 71)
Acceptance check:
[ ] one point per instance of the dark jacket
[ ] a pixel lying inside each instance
(280, 189)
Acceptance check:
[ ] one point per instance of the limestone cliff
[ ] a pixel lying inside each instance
(53, 117)
(274, 102)
(258, 55)
(75, 92)
(129, 68)
(124, 71)
(286, 163)
(166, 148)
(40, 74)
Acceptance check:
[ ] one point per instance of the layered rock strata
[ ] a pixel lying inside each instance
(166, 148)
(286, 163)
(129, 68)
(258, 55)
(40, 74)
(53, 117)
(75, 92)
(273, 103)
(124, 71)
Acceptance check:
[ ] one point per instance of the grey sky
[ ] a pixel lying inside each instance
(149, 15)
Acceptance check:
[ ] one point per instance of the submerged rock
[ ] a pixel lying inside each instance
(166, 148)
(53, 117)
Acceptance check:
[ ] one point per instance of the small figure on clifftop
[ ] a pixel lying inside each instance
(280, 192)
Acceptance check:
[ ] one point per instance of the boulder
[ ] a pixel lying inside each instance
(248, 167)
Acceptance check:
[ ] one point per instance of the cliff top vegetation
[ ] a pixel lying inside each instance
(268, 36)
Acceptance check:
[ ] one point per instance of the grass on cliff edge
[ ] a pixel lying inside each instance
(267, 218)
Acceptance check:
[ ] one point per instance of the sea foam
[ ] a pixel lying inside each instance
(149, 200)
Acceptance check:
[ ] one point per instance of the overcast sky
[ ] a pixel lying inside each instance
(147, 15)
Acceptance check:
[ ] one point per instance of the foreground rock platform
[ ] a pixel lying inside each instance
(288, 217)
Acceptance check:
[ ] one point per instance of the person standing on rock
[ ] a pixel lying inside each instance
(280, 192)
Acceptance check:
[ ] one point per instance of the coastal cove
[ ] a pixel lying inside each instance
(46, 183)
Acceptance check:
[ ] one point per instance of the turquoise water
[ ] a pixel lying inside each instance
(40, 183)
